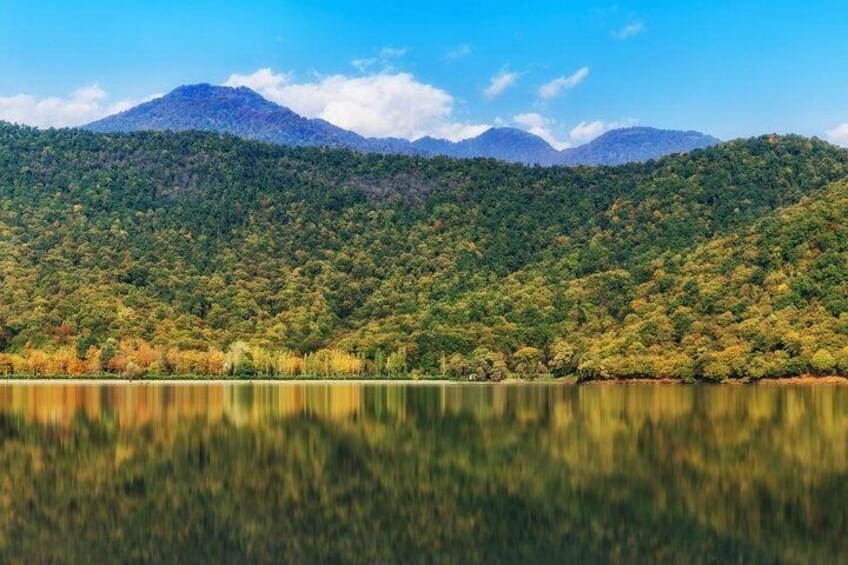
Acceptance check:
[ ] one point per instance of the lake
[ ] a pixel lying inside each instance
(366, 472)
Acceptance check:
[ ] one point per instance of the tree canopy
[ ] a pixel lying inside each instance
(728, 262)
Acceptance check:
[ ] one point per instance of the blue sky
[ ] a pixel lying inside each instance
(566, 70)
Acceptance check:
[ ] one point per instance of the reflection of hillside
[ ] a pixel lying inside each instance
(594, 429)
(591, 473)
(141, 404)
(609, 417)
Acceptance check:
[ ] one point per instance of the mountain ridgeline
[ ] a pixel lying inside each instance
(244, 113)
(165, 252)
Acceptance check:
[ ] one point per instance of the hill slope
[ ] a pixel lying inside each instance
(243, 112)
(621, 146)
(507, 144)
(192, 241)
(238, 111)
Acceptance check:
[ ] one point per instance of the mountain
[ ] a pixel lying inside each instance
(628, 145)
(244, 113)
(191, 252)
(238, 111)
(507, 144)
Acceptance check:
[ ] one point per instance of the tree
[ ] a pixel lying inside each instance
(240, 360)
(729, 363)
(563, 358)
(481, 365)
(529, 362)
(823, 362)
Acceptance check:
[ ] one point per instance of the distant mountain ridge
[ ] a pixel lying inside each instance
(633, 144)
(244, 113)
(507, 144)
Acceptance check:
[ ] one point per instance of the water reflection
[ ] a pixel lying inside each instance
(445, 471)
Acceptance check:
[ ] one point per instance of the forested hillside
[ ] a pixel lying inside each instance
(191, 252)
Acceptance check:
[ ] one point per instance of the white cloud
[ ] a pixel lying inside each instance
(630, 30)
(263, 81)
(583, 132)
(499, 83)
(383, 59)
(538, 124)
(557, 86)
(83, 105)
(392, 52)
(587, 131)
(839, 135)
(459, 52)
(457, 131)
(363, 65)
(384, 104)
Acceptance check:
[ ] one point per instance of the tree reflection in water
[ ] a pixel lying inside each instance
(374, 472)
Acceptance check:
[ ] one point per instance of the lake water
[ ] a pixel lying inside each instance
(422, 473)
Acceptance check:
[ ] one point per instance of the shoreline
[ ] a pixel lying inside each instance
(805, 380)
(204, 381)
(564, 381)
(802, 380)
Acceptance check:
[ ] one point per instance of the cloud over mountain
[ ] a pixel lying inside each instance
(538, 124)
(385, 104)
(839, 135)
(80, 106)
(587, 131)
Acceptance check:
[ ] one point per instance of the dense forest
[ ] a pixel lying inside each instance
(165, 253)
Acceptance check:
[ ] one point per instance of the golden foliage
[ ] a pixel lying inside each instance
(136, 358)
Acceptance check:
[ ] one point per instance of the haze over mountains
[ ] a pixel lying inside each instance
(244, 113)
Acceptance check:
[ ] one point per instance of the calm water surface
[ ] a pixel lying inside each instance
(431, 473)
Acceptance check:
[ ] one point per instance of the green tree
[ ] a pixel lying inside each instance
(823, 362)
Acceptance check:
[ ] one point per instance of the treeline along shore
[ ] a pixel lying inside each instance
(138, 360)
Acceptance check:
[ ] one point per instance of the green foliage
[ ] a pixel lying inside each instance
(823, 362)
(529, 362)
(728, 262)
(107, 353)
(563, 358)
(241, 360)
(480, 365)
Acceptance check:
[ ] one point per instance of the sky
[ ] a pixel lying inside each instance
(565, 70)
